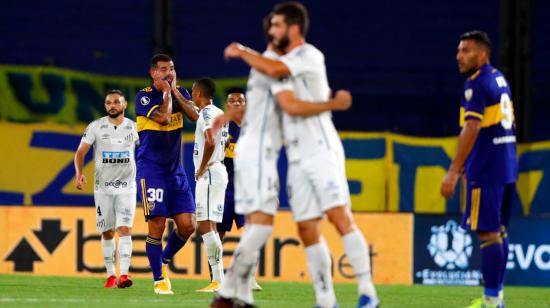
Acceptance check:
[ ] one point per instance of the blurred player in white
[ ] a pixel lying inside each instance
(211, 177)
(256, 175)
(317, 183)
(114, 138)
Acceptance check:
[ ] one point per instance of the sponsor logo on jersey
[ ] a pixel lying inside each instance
(115, 157)
(116, 184)
(145, 100)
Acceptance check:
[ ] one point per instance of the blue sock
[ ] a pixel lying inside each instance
(491, 265)
(153, 249)
(174, 244)
(505, 251)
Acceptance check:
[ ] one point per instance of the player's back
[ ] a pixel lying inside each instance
(260, 135)
(204, 122)
(306, 135)
(160, 150)
(487, 97)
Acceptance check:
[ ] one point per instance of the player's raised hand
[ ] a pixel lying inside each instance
(174, 83)
(233, 50)
(80, 180)
(342, 100)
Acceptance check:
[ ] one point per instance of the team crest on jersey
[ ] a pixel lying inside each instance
(145, 100)
(151, 205)
(468, 94)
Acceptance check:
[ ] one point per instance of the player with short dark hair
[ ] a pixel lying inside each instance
(210, 176)
(114, 139)
(162, 182)
(487, 156)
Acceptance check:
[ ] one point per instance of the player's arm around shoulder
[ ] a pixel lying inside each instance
(262, 64)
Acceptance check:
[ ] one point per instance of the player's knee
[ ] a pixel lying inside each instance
(341, 219)
(124, 231)
(108, 235)
(156, 227)
(488, 236)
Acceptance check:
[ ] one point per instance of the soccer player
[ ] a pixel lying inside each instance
(162, 183)
(487, 155)
(256, 178)
(317, 182)
(211, 177)
(236, 102)
(114, 138)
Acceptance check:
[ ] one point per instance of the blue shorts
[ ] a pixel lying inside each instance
(165, 196)
(488, 206)
(229, 215)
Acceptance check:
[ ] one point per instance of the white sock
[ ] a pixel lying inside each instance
(213, 251)
(319, 265)
(357, 251)
(236, 283)
(108, 249)
(125, 253)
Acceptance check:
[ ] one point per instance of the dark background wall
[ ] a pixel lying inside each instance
(397, 57)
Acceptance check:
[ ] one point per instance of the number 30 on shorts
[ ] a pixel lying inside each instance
(155, 195)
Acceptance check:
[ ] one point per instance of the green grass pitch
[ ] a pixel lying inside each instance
(37, 291)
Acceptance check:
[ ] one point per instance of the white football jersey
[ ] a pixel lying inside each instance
(306, 135)
(114, 147)
(206, 118)
(260, 138)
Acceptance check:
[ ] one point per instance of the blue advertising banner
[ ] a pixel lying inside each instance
(444, 253)
(529, 256)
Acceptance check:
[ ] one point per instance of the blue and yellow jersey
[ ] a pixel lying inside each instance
(234, 131)
(159, 153)
(487, 98)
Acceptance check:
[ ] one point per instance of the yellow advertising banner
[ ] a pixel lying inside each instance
(64, 241)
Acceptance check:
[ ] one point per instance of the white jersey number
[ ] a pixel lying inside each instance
(155, 195)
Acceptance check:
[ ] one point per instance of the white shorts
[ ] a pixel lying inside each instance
(257, 188)
(317, 184)
(210, 193)
(114, 210)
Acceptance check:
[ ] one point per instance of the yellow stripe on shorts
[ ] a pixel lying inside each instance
(144, 198)
(474, 214)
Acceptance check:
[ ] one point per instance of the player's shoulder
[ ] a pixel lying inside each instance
(310, 50)
(98, 122)
(129, 123)
(146, 90)
(306, 52)
(209, 111)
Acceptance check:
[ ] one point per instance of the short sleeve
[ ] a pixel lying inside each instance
(474, 102)
(208, 117)
(144, 104)
(135, 133)
(89, 134)
(303, 61)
